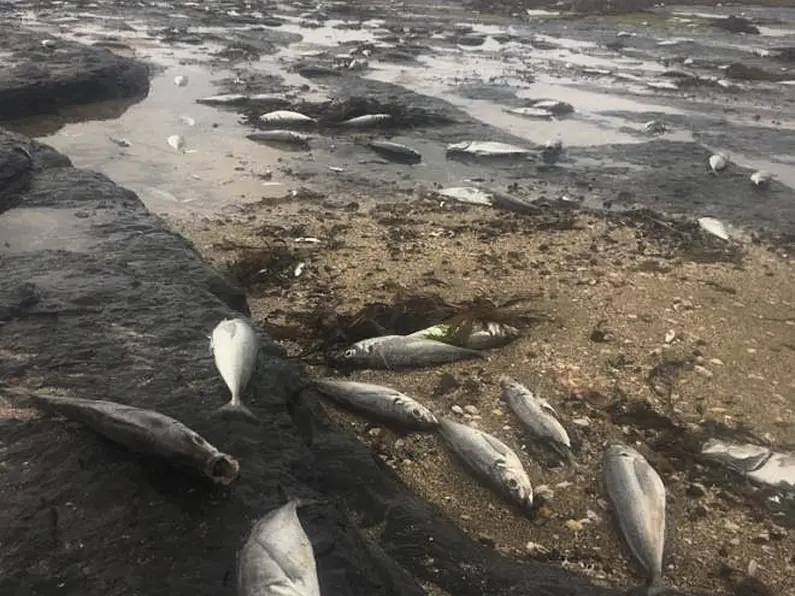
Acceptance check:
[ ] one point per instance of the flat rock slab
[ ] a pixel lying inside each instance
(98, 299)
(39, 74)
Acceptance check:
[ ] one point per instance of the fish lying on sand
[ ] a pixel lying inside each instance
(382, 403)
(235, 347)
(490, 459)
(148, 432)
(761, 179)
(399, 351)
(718, 162)
(366, 120)
(637, 496)
(538, 417)
(713, 226)
(286, 117)
(277, 557)
(479, 335)
(396, 152)
(288, 137)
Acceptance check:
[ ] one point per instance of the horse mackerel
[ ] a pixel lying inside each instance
(389, 352)
(235, 347)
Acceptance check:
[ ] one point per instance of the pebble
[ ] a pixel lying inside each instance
(731, 526)
(761, 537)
(575, 525)
(670, 336)
(696, 489)
(716, 362)
(456, 409)
(472, 410)
(704, 372)
(533, 548)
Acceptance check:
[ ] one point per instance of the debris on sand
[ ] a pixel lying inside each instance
(757, 463)
(761, 179)
(177, 142)
(180, 80)
(466, 194)
(466, 332)
(531, 112)
(392, 352)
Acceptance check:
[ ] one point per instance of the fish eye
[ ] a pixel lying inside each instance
(349, 353)
(512, 483)
(416, 413)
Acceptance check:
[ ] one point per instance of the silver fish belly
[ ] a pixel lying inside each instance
(637, 495)
(538, 417)
(277, 558)
(383, 403)
(150, 433)
(235, 347)
(490, 459)
(399, 351)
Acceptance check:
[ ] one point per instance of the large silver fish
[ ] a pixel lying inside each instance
(538, 417)
(490, 459)
(277, 558)
(235, 347)
(399, 351)
(148, 432)
(366, 120)
(383, 403)
(637, 495)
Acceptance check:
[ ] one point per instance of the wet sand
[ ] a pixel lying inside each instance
(615, 301)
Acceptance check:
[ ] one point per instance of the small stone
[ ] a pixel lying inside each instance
(497, 412)
(734, 542)
(761, 538)
(716, 362)
(533, 548)
(583, 422)
(704, 372)
(593, 516)
(374, 432)
(575, 525)
(456, 409)
(731, 526)
(670, 336)
(696, 489)
(471, 410)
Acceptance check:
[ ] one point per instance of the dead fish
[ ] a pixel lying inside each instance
(286, 117)
(486, 149)
(383, 403)
(490, 459)
(180, 80)
(366, 120)
(637, 495)
(761, 179)
(228, 99)
(531, 113)
(235, 348)
(655, 127)
(467, 194)
(277, 557)
(718, 162)
(150, 433)
(538, 417)
(551, 152)
(177, 142)
(399, 351)
(556, 107)
(396, 152)
(289, 137)
(482, 335)
(665, 85)
(714, 227)
(119, 141)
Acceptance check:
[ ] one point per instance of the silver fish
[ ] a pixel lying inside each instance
(399, 351)
(637, 495)
(396, 152)
(490, 459)
(277, 558)
(150, 433)
(482, 336)
(366, 120)
(718, 162)
(533, 112)
(286, 117)
(381, 402)
(537, 416)
(235, 347)
(289, 137)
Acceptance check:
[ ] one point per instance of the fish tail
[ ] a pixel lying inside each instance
(235, 408)
(656, 587)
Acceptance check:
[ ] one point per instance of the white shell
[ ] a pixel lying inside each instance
(180, 80)
(714, 227)
(177, 142)
(760, 178)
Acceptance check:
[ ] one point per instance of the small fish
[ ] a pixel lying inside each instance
(277, 557)
(288, 137)
(538, 417)
(119, 141)
(761, 179)
(180, 80)
(396, 152)
(399, 351)
(229, 99)
(637, 495)
(480, 336)
(655, 127)
(235, 347)
(486, 149)
(718, 162)
(714, 227)
(533, 112)
(148, 432)
(383, 403)
(490, 459)
(286, 117)
(366, 120)
(552, 151)
(177, 142)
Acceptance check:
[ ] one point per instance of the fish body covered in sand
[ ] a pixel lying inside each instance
(148, 432)
(390, 352)
(277, 558)
(382, 403)
(235, 347)
(637, 496)
(490, 459)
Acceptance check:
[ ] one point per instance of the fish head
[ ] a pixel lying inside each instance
(423, 416)
(344, 356)
(616, 449)
(516, 483)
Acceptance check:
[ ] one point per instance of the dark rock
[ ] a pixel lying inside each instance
(785, 54)
(115, 306)
(39, 78)
(736, 25)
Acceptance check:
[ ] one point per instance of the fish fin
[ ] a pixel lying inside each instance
(236, 409)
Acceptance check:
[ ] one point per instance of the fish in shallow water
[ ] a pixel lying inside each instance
(382, 403)
(637, 496)
(399, 351)
(235, 347)
(538, 417)
(277, 558)
(396, 152)
(478, 336)
(717, 163)
(490, 459)
(148, 432)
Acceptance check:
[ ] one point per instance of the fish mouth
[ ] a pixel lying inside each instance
(223, 469)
